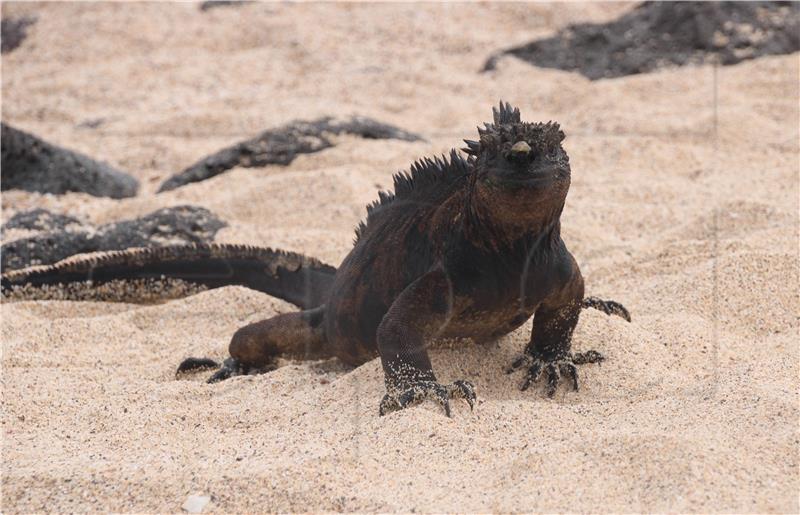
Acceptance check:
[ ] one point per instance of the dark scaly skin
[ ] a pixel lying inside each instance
(462, 248)
(465, 248)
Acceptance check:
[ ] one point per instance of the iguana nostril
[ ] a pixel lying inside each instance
(520, 147)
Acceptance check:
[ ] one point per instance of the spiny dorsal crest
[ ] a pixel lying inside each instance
(506, 114)
(426, 179)
(427, 173)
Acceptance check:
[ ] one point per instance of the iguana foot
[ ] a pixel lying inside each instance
(423, 390)
(609, 307)
(553, 369)
(229, 368)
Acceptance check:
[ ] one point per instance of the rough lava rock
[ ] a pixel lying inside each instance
(280, 146)
(40, 220)
(31, 164)
(169, 226)
(661, 34)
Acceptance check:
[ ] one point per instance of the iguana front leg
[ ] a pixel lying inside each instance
(419, 313)
(548, 351)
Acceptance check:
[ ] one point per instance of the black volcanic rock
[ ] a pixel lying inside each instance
(40, 220)
(13, 31)
(174, 225)
(282, 145)
(31, 164)
(661, 34)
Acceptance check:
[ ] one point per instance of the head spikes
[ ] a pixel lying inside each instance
(472, 148)
(506, 114)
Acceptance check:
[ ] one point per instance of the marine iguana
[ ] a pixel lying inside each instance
(464, 247)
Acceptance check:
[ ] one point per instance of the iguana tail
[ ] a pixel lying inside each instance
(145, 275)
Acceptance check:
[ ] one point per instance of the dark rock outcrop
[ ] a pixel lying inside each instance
(280, 146)
(31, 164)
(40, 220)
(13, 31)
(661, 34)
(169, 226)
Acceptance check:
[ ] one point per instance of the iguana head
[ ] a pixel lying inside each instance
(521, 169)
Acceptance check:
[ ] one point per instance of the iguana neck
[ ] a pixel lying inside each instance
(489, 225)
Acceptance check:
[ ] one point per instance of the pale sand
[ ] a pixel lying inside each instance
(695, 410)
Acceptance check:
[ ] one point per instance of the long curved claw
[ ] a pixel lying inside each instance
(463, 390)
(518, 363)
(532, 375)
(571, 371)
(446, 405)
(388, 404)
(553, 377)
(423, 390)
(555, 368)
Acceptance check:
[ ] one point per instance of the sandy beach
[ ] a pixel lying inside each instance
(683, 206)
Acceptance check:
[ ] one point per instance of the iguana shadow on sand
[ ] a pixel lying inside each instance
(464, 247)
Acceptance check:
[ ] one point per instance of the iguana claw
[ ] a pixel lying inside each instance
(553, 369)
(423, 390)
(230, 367)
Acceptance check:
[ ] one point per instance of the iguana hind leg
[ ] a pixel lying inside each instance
(256, 347)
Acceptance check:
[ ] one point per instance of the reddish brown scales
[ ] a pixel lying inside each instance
(462, 248)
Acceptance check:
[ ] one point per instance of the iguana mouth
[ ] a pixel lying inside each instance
(539, 178)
